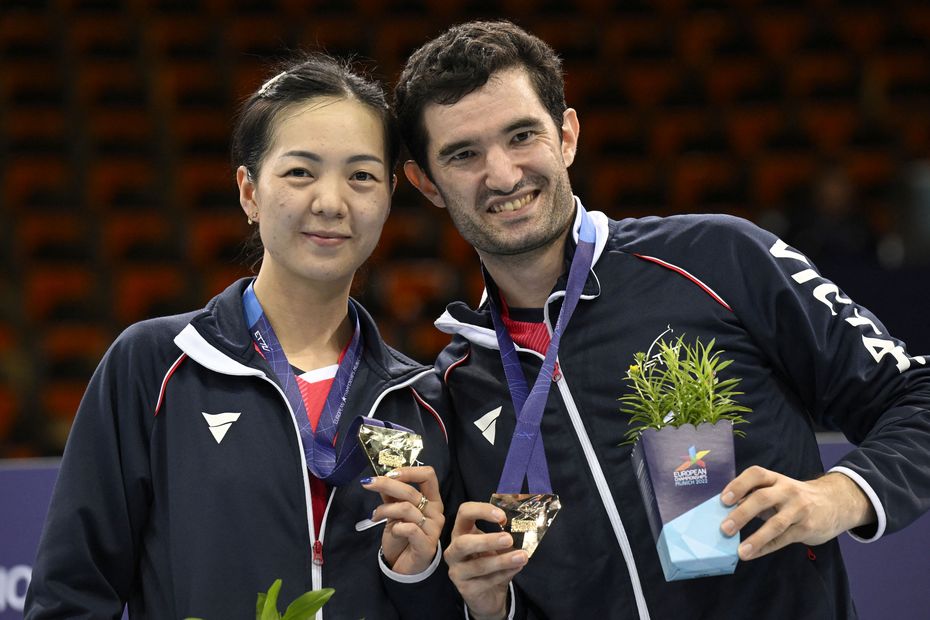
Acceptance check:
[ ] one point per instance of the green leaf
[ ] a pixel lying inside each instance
(306, 605)
(684, 381)
(270, 608)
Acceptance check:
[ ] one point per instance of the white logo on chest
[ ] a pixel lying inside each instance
(219, 423)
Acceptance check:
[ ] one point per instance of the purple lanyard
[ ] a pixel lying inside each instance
(526, 457)
(322, 459)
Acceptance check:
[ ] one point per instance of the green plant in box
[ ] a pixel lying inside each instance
(681, 385)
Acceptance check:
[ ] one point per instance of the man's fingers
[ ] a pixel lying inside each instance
(744, 484)
(759, 503)
(467, 546)
(775, 533)
(489, 570)
(471, 512)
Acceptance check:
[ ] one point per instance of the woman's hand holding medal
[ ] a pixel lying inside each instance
(414, 511)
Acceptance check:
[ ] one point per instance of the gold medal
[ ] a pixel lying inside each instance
(388, 448)
(528, 516)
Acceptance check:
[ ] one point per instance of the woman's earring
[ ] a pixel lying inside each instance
(252, 218)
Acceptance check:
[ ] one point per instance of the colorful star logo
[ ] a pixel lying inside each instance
(694, 458)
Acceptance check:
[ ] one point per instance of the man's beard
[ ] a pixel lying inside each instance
(553, 220)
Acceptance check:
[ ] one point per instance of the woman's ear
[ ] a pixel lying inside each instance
(247, 193)
(420, 180)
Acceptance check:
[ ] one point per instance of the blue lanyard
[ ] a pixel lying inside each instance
(526, 457)
(319, 450)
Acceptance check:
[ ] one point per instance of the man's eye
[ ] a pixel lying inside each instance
(461, 156)
(523, 136)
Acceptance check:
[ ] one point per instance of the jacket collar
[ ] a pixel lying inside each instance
(476, 326)
(218, 338)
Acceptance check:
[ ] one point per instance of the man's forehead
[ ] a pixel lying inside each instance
(505, 98)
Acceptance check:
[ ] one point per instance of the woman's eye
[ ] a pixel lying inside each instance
(361, 175)
(298, 172)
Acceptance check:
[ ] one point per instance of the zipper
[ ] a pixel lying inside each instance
(606, 498)
(316, 546)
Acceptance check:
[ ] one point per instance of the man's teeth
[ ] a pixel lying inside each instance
(512, 205)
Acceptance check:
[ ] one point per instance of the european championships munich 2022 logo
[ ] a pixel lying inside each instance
(693, 471)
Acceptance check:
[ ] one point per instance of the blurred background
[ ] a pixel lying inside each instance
(119, 202)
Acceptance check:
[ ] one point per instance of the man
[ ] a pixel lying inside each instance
(483, 114)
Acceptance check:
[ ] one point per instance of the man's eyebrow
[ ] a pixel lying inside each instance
(526, 122)
(450, 148)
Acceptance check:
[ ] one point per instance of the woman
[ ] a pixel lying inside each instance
(207, 458)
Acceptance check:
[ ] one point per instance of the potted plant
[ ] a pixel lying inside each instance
(682, 416)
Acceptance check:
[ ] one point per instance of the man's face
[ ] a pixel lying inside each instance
(500, 166)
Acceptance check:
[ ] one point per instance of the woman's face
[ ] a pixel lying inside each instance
(323, 191)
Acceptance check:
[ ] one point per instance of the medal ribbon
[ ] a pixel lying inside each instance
(322, 460)
(526, 457)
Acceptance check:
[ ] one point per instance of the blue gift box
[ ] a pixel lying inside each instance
(681, 473)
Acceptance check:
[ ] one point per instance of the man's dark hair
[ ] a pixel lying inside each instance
(460, 61)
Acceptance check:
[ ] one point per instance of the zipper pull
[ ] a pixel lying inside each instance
(556, 374)
(318, 553)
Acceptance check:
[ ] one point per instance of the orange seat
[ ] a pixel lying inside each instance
(672, 127)
(750, 126)
(819, 70)
(102, 35)
(780, 31)
(62, 232)
(774, 174)
(29, 176)
(110, 178)
(217, 238)
(696, 175)
(138, 232)
(52, 289)
(60, 398)
(9, 412)
(830, 124)
(206, 182)
(73, 349)
(143, 291)
(861, 28)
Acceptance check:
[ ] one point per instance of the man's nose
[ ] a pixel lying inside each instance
(502, 173)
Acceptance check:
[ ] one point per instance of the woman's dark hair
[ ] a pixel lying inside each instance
(460, 61)
(299, 80)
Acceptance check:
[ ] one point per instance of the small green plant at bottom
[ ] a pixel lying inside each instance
(304, 606)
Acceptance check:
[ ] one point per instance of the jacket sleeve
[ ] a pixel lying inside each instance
(851, 374)
(431, 594)
(88, 553)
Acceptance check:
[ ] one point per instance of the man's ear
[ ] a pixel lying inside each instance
(247, 193)
(419, 179)
(570, 132)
